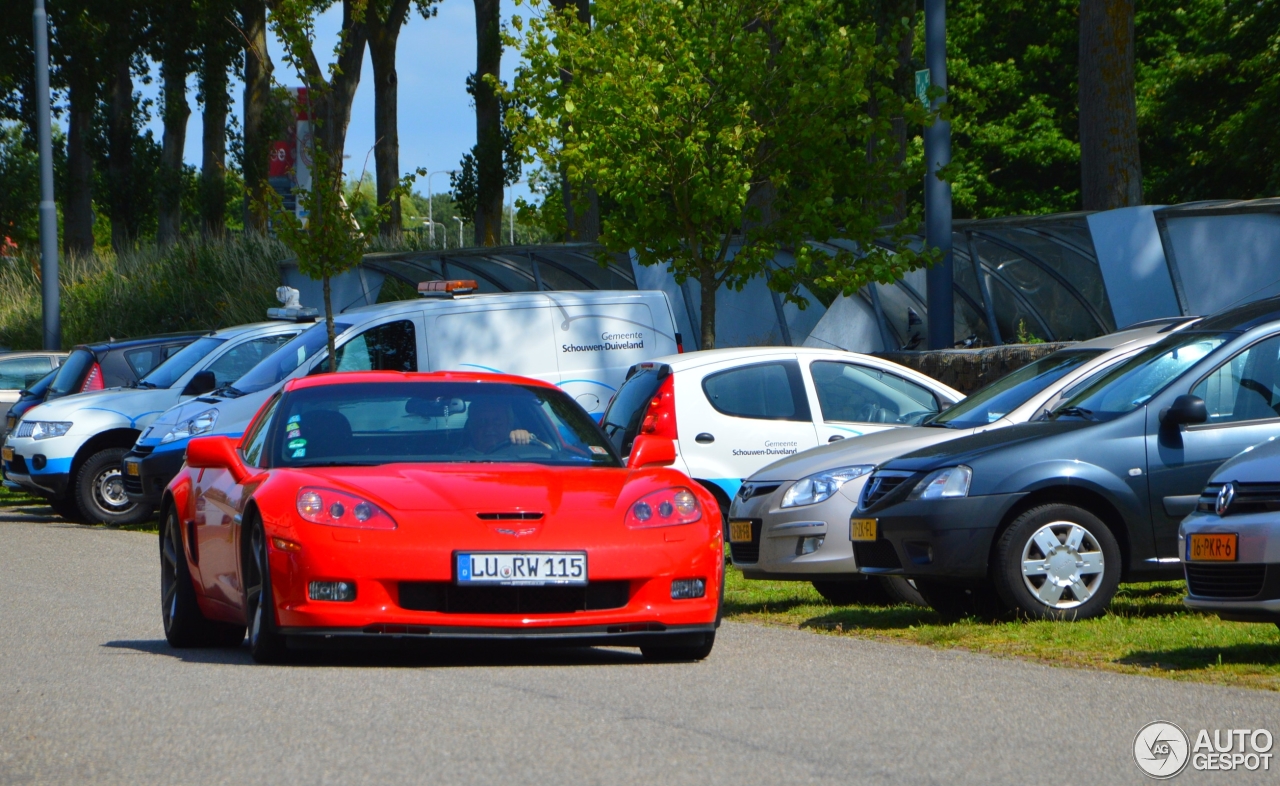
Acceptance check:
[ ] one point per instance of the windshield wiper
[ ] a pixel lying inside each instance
(142, 383)
(1074, 412)
(228, 391)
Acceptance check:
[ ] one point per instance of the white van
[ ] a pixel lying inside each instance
(582, 341)
(732, 411)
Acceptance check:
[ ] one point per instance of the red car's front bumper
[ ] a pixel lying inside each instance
(405, 588)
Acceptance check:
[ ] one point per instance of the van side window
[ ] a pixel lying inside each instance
(765, 391)
(848, 392)
(389, 347)
(1246, 387)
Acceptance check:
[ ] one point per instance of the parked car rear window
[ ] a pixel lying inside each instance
(168, 372)
(1134, 382)
(621, 421)
(1011, 391)
(765, 391)
(71, 373)
(21, 373)
(434, 422)
(851, 393)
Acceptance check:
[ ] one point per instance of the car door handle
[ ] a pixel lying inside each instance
(704, 439)
(834, 438)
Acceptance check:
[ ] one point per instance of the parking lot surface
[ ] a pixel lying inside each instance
(91, 693)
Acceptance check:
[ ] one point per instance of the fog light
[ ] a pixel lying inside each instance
(808, 545)
(344, 591)
(39, 461)
(683, 589)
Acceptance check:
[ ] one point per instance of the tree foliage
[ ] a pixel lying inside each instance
(719, 133)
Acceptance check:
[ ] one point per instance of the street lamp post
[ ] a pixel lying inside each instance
(937, 192)
(455, 218)
(48, 209)
(430, 217)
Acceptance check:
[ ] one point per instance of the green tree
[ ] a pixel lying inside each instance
(712, 125)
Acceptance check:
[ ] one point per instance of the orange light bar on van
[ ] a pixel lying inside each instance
(453, 287)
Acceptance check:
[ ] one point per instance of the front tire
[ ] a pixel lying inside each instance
(663, 653)
(859, 591)
(266, 645)
(66, 507)
(1057, 562)
(901, 592)
(184, 624)
(99, 491)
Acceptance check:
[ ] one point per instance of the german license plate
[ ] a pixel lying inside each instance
(1215, 547)
(132, 468)
(7, 453)
(862, 529)
(739, 530)
(519, 567)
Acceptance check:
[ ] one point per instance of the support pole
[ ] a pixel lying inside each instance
(937, 194)
(48, 209)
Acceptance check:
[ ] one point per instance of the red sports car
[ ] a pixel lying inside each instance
(441, 506)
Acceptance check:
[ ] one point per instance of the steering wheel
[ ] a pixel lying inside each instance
(508, 443)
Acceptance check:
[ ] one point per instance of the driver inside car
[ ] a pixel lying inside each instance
(491, 425)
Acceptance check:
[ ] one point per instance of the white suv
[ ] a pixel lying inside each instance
(732, 411)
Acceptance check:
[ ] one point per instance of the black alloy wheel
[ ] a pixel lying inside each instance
(99, 491)
(1057, 562)
(184, 624)
(667, 653)
(266, 644)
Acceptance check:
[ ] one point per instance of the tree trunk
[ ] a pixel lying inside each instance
(213, 139)
(383, 37)
(176, 111)
(582, 224)
(328, 321)
(120, 157)
(1110, 171)
(77, 210)
(257, 94)
(489, 172)
(332, 112)
(707, 283)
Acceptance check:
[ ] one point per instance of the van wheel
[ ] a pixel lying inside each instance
(99, 490)
(955, 602)
(1057, 562)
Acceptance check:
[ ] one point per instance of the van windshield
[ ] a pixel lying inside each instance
(621, 421)
(373, 423)
(1012, 390)
(281, 363)
(1131, 384)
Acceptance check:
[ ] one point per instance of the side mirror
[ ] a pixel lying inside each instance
(203, 382)
(650, 451)
(1185, 410)
(218, 452)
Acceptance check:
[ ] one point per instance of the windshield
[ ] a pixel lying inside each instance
(71, 373)
(1131, 384)
(281, 363)
(168, 372)
(374, 423)
(1012, 390)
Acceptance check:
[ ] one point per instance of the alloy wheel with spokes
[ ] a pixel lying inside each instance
(184, 624)
(1057, 561)
(265, 643)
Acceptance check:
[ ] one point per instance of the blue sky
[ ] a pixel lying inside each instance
(437, 122)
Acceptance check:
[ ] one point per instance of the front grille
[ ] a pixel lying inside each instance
(750, 490)
(1249, 498)
(132, 483)
(143, 450)
(876, 554)
(451, 599)
(18, 464)
(882, 484)
(1225, 581)
(518, 515)
(25, 428)
(748, 553)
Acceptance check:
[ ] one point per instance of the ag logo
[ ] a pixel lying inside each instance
(1226, 495)
(1160, 750)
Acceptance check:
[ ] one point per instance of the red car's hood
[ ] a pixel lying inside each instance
(480, 488)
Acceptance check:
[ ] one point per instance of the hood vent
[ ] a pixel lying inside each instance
(517, 515)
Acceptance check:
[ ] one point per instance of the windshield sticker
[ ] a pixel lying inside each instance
(299, 453)
(297, 443)
(294, 433)
(599, 450)
(295, 419)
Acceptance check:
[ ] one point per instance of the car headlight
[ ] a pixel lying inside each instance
(192, 427)
(47, 429)
(943, 484)
(819, 487)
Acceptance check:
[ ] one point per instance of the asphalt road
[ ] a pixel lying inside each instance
(90, 693)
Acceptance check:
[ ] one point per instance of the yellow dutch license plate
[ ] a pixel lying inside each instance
(8, 454)
(131, 467)
(740, 530)
(862, 529)
(1217, 547)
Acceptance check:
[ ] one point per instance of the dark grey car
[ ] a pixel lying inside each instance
(1046, 519)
